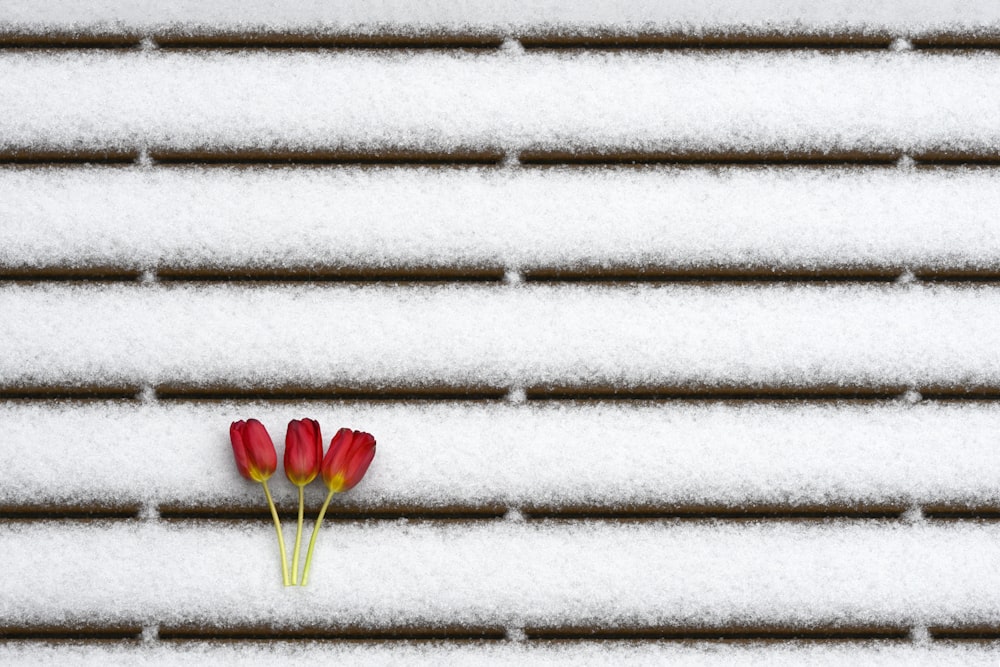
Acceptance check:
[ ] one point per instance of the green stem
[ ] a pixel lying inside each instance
(298, 541)
(312, 540)
(281, 539)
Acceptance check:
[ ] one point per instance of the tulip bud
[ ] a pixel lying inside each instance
(303, 451)
(256, 458)
(347, 460)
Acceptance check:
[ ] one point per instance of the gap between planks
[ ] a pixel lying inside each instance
(471, 632)
(601, 40)
(175, 512)
(830, 393)
(404, 156)
(442, 275)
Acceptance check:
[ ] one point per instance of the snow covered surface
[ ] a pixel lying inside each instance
(611, 654)
(897, 17)
(505, 100)
(507, 336)
(463, 455)
(513, 572)
(507, 574)
(520, 219)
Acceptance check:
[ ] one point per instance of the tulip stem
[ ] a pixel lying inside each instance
(312, 540)
(281, 539)
(298, 541)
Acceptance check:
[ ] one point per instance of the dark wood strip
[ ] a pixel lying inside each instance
(971, 632)
(986, 274)
(320, 40)
(401, 156)
(341, 273)
(989, 39)
(614, 274)
(67, 40)
(47, 156)
(70, 633)
(961, 512)
(444, 392)
(59, 512)
(960, 393)
(715, 40)
(710, 157)
(722, 633)
(105, 273)
(331, 392)
(711, 274)
(332, 632)
(339, 512)
(70, 392)
(956, 158)
(715, 392)
(700, 512)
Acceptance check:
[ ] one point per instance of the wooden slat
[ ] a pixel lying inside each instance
(353, 223)
(201, 104)
(828, 339)
(447, 460)
(612, 654)
(501, 574)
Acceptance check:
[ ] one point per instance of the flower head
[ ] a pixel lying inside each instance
(347, 460)
(303, 451)
(253, 449)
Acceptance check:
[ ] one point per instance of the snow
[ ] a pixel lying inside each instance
(521, 220)
(361, 101)
(905, 17)
(500, 336)
(520, 456)
(610, 654)
(387, 574)
(516, 573)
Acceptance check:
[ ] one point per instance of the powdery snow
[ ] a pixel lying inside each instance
(499, 573)
(503, 336)
(895, 17)
(521, 219)
(454, 101)
(512, 574)
(405, 654)
(467, 455)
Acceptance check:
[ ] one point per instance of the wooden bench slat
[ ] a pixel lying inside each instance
(542, 338)
(505, 574)
(198, 106)
(364, 654)
(453, 458)
(356, 222)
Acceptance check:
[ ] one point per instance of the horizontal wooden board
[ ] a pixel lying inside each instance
(194, 106)
(540, 338)
(478, 460)
(534, 577)
(604, 223)
(344, 19)
(611, 654)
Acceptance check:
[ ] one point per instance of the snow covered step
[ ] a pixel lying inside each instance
(613, 654)
(548, 576)
(667, 458)
(495, 18)
(184, 105)
(333, 337)
(321, 221)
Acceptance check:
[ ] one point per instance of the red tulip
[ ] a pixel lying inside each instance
(303, 451)
(347, 460)
(254, 451)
